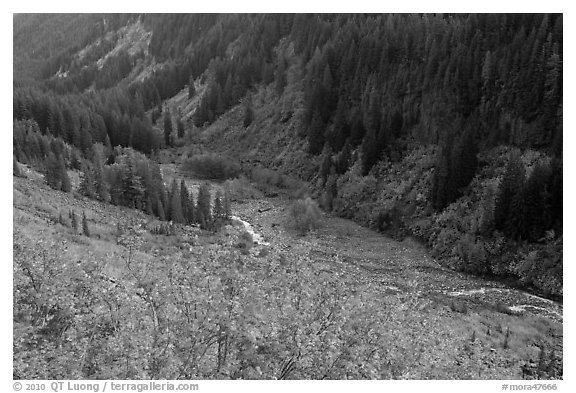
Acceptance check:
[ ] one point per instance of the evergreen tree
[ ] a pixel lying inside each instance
(149, 209)
(74, 222)
(156, 113)
(331, 191)
(340, 129)
(538, 202)
(248, 114)
(100, 184)
(75, 160)
(16, 168)
(343, 160)
(516, 226)
(85, 141)
(464, 160)
(180, 127)
(191, 210)
(55, 173)
(87, 184)
(325, 164)
(396, 124)
(191, 88)
(280, 77)
(455, 168)
(204, 213)
(160, 210)
(167, 128)
(556, 197)
(176, 214)
(219, 102)
(443, 190)
(133, 190)
(165, 203)
(51, 173)
(85, 228)
(218, 208)
(226, 206)
(357, 132)
(509, 196)
(370, 152)
(185, 201)
(316, 134)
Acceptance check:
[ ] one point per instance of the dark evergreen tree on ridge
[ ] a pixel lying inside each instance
(167, 128)
(510, 195)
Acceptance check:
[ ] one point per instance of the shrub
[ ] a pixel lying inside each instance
(210, 167)
(246, 241)
(459, 306)
(304, 215)
(263, 253)
(267, 177)
(543, 268)
(164, 229)
(472, 255)
(504, 309)
(240, 189)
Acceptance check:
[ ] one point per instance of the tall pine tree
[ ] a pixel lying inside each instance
(167, 128)
(204, 213)
(191, 88)
(510, 196)
(176, 214)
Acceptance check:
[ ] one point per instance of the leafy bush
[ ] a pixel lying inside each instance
(472, 255)
(458, 306)
(304, 215)
(504, 309)
(269, 180)
(240, 189)
(164, 229)
(246, 241)
(269, 177)
(210, 167)
(543, 268)
(356, 195)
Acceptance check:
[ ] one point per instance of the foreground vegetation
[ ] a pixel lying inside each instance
(128, 303)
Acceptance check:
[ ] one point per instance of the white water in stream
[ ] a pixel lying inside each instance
(550, 306)
(546, 305)
(258, 239)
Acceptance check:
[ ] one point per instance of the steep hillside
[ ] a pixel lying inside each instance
(40, 37)
(396, 196)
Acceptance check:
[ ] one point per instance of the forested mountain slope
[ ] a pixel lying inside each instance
(447, 128)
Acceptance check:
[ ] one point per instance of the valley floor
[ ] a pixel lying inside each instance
(342, 302)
